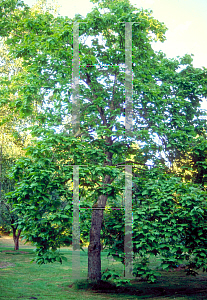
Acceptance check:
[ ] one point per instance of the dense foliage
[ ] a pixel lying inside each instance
(169, 212)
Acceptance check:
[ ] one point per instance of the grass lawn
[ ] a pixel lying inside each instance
(21, 279)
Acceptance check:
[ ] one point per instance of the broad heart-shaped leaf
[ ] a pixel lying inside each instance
(165, 266)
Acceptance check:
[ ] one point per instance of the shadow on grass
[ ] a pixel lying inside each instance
(171, 286)
(101, 286)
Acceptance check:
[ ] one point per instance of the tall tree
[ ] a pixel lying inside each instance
(166, 108)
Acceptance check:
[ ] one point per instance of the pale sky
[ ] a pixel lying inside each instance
(186, 21)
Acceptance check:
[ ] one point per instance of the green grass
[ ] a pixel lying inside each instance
(21, 279)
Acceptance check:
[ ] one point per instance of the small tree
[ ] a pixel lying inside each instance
(7, 217)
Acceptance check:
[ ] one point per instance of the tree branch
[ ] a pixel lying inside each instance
(132, 162)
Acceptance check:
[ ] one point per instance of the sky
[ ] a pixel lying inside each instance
(185, 19)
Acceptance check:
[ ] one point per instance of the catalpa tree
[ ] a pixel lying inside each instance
(78, 120)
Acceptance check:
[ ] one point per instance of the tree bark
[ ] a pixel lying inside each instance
(94, 248)
(16, 237)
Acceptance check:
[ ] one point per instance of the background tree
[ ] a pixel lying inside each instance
(9, 154)
(166, 112)
(12, 141)
(193, 165)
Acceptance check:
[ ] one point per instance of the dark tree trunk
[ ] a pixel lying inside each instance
(16, 236)
(94, 248)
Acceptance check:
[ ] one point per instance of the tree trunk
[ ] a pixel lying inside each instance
(94, 248)
(16, 238)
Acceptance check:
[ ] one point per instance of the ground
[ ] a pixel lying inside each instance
(21, 279)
